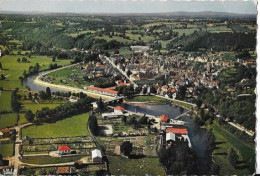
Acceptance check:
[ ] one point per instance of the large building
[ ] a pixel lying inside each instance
(102, 91)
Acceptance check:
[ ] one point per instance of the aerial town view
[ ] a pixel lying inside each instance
(112, 87)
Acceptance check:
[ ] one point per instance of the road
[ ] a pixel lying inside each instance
(240, 127)
(17, 145)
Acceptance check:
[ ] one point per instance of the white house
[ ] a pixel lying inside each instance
(170, 136)
(96, 156)
(64, 149)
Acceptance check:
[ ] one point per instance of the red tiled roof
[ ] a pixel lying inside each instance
(63, 148)
(177, 130)
(102, 90)
(5, 130)
(62, 170)
(164, 118)
(119, 108)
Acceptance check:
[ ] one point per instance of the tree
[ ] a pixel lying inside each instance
(21, 79)
(2, 77)
(29, 115)
(126, 148)
(24, 59)
(232, 156)
(214, 169)
(1, 67)
(15, 104)
(29, 96)
(93, 125)
(100, 104)
(42, 95)
(48, 93)
(123, 119)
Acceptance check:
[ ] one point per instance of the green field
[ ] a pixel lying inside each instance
(119, 165)
(73, 126)
(12, 69)
(7, 120)
(6, 150)
(49, 160)
(28, 105)
(63, 73)
(148, 98)
(76, 34)
(5, 101)
(245, 151)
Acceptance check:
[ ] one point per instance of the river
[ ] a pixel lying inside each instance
(196, 134)
(29, 83)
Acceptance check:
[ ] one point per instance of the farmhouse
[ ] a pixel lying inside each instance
(96, 156)
(64, 149)
(4, 131)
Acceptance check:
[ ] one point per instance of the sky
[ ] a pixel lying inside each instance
(129, 6)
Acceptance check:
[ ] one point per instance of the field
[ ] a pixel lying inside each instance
(49, 160)
(148, 99)
(119, 165)
(12, 69)
(6, 150)
(245, 151)
(73, 126)
(7, 120)
(76, 34)
(5, 101)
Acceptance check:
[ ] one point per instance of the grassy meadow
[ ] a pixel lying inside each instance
(73, 126)
(245, 151)
(119, 165)
(13, 69)
(8, 120)
(5, 100)
(6, 150)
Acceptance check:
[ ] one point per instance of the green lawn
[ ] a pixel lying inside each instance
(5, 101)
(73, 126)
(49, 160)
(245, 151)
(6, 150)
(7, 120)
(148, 98)
(119, 165)
(12, 69)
